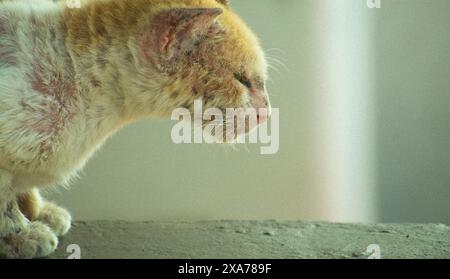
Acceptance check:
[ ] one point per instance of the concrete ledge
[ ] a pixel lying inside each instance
(254, 239)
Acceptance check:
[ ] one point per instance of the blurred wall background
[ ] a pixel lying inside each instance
(364, 128)
(412, 42)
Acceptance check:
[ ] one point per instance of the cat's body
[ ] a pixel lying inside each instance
(57, 120)
(69, 78)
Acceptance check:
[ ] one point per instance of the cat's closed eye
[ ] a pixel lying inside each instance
(243, 80)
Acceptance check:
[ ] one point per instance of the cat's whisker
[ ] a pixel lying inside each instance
(278, 62)
(276, 50)
(275, 69)
(272, 63)
(279, 56)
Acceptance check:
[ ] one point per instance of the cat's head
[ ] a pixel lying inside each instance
(205, 53)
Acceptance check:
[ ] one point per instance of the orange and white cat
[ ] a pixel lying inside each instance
(71, 77)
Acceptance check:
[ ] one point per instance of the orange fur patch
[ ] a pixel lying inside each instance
(29, 205)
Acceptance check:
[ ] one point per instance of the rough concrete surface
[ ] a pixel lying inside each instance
(254, 239)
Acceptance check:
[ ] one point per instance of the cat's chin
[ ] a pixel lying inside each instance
(231, 137)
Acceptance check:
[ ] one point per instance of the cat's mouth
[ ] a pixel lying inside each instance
(233, 123)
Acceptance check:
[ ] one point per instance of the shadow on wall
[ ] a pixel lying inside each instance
(413, 108)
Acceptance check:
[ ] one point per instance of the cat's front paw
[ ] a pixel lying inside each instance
(56, 217)
(37, 240)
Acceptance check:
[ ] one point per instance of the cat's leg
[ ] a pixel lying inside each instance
(30, 204)
(20, 238)
(37, 209)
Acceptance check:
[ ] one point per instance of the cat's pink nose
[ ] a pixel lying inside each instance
(261, 103)
(263, 115)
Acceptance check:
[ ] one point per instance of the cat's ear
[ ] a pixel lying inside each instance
(174, 32)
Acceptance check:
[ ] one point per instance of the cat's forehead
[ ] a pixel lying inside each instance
(244, 44)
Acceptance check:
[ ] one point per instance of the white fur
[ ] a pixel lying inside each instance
(31, 154)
